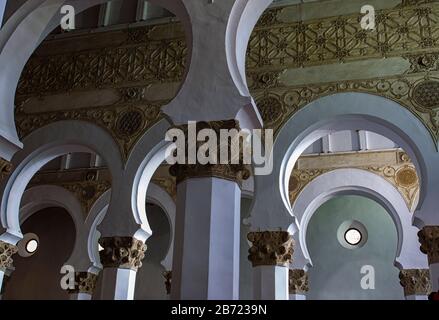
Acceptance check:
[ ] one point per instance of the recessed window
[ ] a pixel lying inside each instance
(32, 246)
(353, 236)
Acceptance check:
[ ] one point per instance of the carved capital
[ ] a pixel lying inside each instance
(236, 173)
(298, 282)
(122, 252)
(415, 281)
(429, 239)
(85, 282)
(5, 168)
(7, 250)
(234, 170)
(168, 281)
(271, 248)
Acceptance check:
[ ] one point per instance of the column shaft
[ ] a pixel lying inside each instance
(206, 251)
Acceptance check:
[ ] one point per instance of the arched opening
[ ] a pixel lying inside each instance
(359, 271)
(84, 71)
(37, 277)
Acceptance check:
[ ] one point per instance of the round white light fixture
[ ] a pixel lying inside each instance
(28, 246)
(32, 246)
(353, 236)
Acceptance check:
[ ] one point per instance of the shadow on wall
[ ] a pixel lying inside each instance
(38, 277)
(336, 272)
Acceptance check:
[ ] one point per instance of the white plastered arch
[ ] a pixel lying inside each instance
(155, 195)
(42, 146)
(45, 196)
(344, 111)
(20, 37)
(358, 182)
(158, 196)
(130, 194)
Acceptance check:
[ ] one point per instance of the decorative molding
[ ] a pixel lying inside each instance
(140, 59)
(86, 185)
(168, 281)
(7, 250)
(168, 184)
(429, 239)
(271, 248)
(87, 192)
(5, 168)
(122, 252)
(85, 282)
(415, 281)
(277, 44)
(401, 175)
(234, 172)
(231, 172)
(408, 91)
(126, 122)
(298, 281)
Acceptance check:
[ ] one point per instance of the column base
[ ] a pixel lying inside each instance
(80, 296)
(416, 297)
(297, 297)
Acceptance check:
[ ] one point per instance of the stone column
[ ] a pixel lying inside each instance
(7, 250)
(121, 258)
(416, 283)
(85, 285)
(271, 255)
(429, 239)
(207, 231)
(298, 284)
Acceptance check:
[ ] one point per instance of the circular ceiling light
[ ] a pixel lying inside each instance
(353, 236)
(31, 246)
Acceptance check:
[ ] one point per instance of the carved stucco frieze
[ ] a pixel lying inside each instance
(231, 171)
(298, 281)
(168, 184)
(126, 122)
(402, 176)
(429, 240)
(418, 93)
(415, 281)
(86, 185)
(122, 252)
(278, 44)
(7, 250)
(271, 248)
(5, 169)
(85, 282)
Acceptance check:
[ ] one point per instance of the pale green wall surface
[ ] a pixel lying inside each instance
(336, 271)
